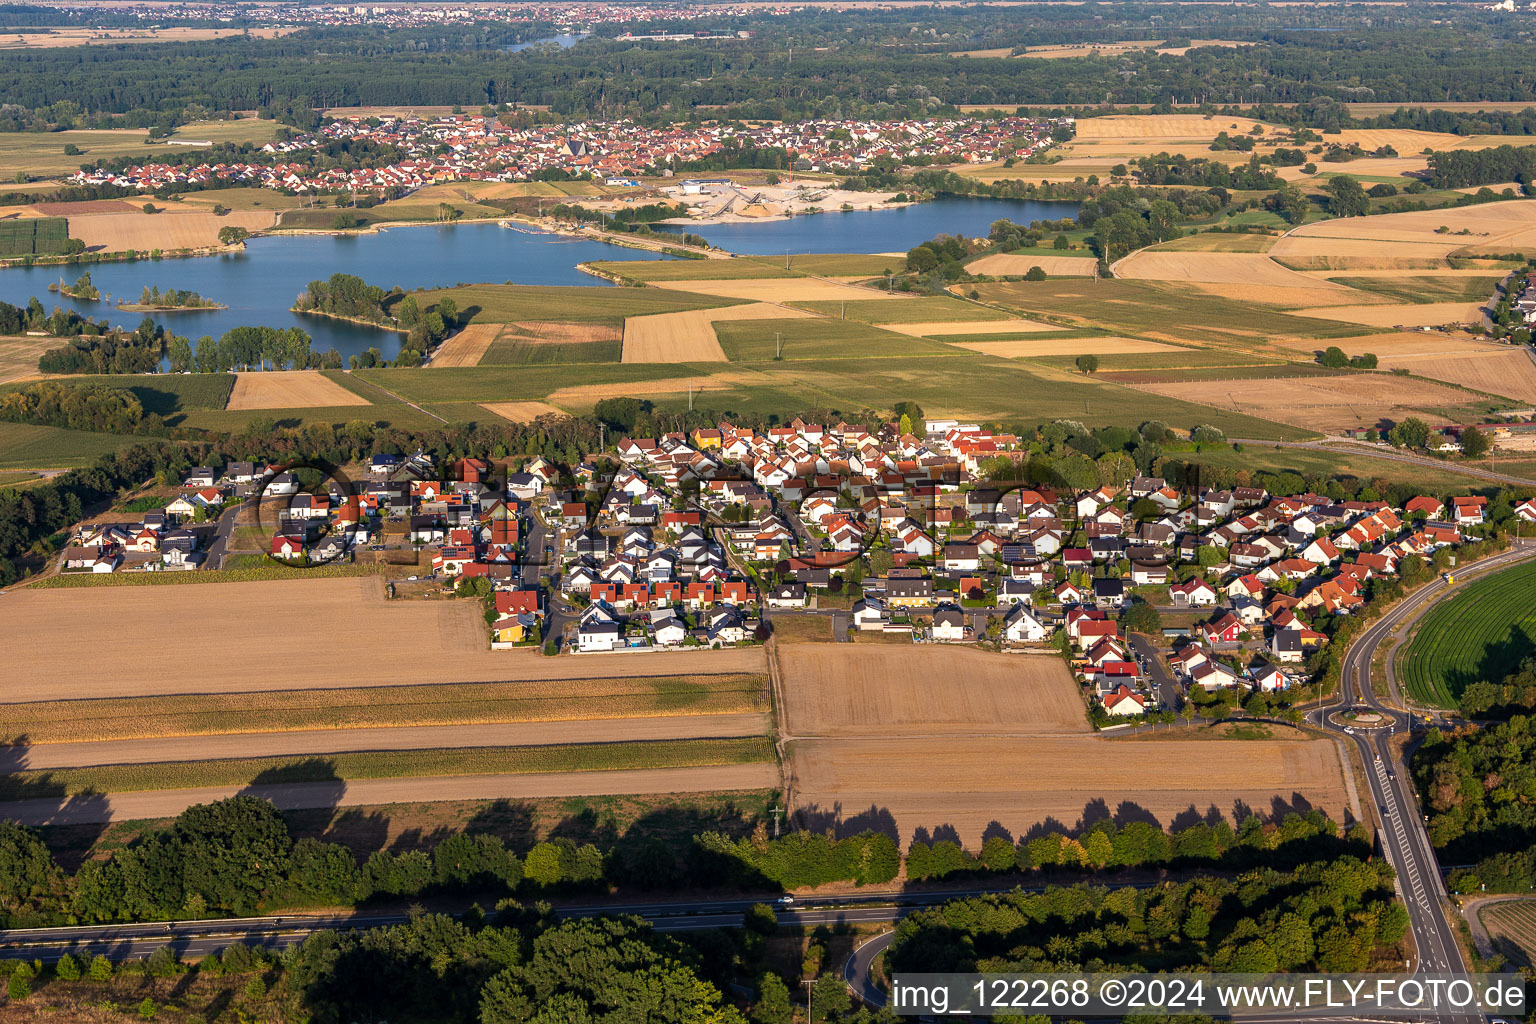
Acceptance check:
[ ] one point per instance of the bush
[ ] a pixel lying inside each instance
(1035, 274)
(68, 968)
(101, 968)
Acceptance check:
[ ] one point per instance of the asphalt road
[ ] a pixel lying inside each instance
(193, 939)
(1402, 834)
(219, 546)
(1167, 686)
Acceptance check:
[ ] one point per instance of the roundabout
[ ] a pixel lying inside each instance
(1361, 718)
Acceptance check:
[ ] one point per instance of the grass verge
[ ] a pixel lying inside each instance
(202, 714)
(389, 764)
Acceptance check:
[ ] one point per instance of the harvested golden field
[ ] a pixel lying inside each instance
(1400, 314)
(1508, 372)
(1396, 344)
(1012, 265)
(289, 389)
(64, 37)
(1018, 783)
(789, 289)
(943, 328)
(173, 228)
(366, 708)
(18, 356)
(312, 634)
(1253, 270)
(1098, 346)
(521, 412)
(689, 337)
(839, 690)
(1485, 227)
(1328, 404)
(1149, 126)
(466, 347)
(1219, 241)
(1371, 166)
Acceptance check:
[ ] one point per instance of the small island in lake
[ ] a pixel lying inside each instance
(153, 300)
(82, 289)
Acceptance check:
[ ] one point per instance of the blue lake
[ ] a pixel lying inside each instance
(875, 230)
(260, 284)
(564, 41)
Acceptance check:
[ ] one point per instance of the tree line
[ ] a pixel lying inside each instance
(1457, 168)
(1479, 787)
(94, 407)
(1339, 914)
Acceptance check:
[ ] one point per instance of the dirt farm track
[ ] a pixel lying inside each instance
(281, 634)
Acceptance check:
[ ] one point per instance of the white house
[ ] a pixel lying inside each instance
(1021, 627)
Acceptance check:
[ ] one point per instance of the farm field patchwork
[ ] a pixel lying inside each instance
(29, 446)
(458, 761)
(797, 289)
(289, 389)
(1029, 348)
(176, 226)
(1016, 265)
(1427, 314)
(528, 342)
(691, 337)
(973, 787)
(511, 303)
(520, 412)
(18, 356)
(1218, 241)
(467, 347)
(1480, 635)
(1330, 404)
(343, 624)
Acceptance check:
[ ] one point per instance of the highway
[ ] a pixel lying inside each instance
(1402, 834)
(194, 939)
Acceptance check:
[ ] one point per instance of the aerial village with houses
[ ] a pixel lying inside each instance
(474, 147)
(725, 535)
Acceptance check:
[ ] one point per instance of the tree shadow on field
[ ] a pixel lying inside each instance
(70, 824)
(309, 783)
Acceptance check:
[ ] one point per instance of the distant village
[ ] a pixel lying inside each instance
(721, 536)
(473, 147)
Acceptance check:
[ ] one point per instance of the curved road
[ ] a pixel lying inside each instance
(1402, 834)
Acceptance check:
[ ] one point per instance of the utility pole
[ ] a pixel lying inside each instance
(778, 345)
(775, 811)
(786, 259)
(810, 996)
(844, 314)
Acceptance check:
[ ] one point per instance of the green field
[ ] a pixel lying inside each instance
(27, 446)
(385, 765)
(1329, 462)
(508, 303)
(928, 309)
(520, 351)
(1142, 308)
(41, 154)
(1426, 288)
(753, 340)
(33, 236)
(1481, 634)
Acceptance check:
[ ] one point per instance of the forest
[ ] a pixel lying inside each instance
(856, 63)
(1479, 787)
(1330, 915)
